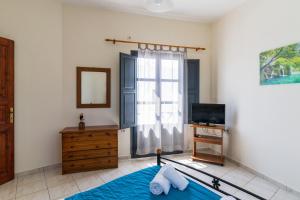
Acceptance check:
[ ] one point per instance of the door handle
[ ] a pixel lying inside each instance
(11, 115)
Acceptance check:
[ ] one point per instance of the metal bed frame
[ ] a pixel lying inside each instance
(216, 182)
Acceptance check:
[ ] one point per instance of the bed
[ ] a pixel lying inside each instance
(136, 186)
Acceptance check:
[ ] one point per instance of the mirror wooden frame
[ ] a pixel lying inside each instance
(108, 80)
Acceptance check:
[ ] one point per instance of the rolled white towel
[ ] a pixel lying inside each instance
(160, 184)
(228, 198)
(176, 179)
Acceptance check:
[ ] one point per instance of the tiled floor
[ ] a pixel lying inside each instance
(49, 184)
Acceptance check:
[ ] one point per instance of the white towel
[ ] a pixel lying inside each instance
(160, 184)
(176, 179)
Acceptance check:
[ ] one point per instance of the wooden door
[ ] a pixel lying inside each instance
(6, 110)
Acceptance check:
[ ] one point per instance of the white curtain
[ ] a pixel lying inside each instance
(160, 101)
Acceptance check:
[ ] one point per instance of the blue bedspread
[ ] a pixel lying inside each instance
(136, 186)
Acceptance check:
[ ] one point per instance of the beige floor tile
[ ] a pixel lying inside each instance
(244, 196)
(262, 187)
(221, 171)
(83, 174)
(58, 180)
(125, 169)
(197, 175)
(8, 191)
(9, 184)
(88, 182)
(30, 178)
(196, 165)
(239, 176)
(63, 190)
(284, 195)
(110, 175)
(229, 189)
(41, 195)
(29, 188)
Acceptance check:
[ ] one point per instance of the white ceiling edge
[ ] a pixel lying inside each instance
(144, 12)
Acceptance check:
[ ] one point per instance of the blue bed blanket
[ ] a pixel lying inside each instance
(136, 186)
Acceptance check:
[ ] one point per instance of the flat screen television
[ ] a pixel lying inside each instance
(208, 113)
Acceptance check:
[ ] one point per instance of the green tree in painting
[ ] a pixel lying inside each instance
(279, 63)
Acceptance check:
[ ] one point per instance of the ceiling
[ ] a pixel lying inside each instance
(189, 10)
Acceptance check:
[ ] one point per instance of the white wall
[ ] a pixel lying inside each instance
(264, 119)
(84, 31)
(36, 28)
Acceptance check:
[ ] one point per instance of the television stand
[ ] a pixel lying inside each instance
(206, 157)
(211, 125)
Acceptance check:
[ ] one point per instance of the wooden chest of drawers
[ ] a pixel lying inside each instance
(93, 148)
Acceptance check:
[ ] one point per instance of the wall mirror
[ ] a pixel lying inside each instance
(93, 87)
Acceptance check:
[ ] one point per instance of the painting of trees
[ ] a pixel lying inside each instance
(281, 65)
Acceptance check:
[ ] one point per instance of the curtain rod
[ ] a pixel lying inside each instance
(114, 41)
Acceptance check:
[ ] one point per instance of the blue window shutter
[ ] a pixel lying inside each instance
(128, 86)
(193, 84)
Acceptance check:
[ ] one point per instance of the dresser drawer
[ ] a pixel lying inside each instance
(90, 145)
(89, 164)
(88, 136)
(91, 148)
(80, 155)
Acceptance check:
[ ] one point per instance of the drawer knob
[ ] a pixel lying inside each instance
(107, 133)
(90, 135)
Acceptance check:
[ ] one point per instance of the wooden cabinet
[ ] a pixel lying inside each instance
(92, 148)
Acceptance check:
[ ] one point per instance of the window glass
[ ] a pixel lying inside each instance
(169, 113)
(169, 69)
(169, 91)
(145, 114)
(148, 87)
(146, 68)
(146, 91)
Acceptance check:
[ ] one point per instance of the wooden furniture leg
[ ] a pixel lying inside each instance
(194, 142)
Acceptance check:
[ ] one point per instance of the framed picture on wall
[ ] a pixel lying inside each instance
(280, 66)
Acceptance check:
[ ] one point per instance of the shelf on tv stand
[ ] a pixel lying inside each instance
(205, 157)
(209, 158)
(217, 126)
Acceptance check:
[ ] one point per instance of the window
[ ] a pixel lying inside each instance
(146, 87)
(169, 91)
(151, 99)
(157, 91)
